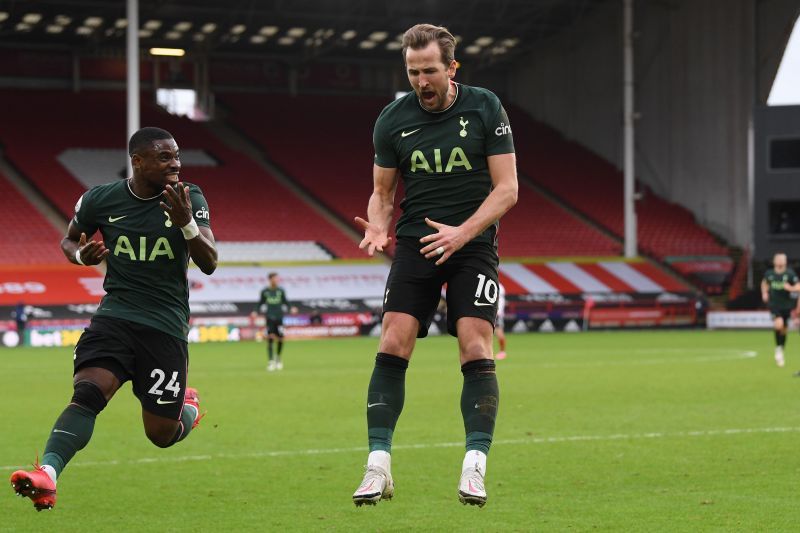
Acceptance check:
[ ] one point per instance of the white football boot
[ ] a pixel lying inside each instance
(377, 486)
(470, 488)
(779, 356)
(271, 366)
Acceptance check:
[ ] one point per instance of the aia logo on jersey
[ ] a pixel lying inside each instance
(457, 159)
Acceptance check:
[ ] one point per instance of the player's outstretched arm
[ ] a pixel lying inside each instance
(503, 170)
(77, 250)
(379, 210)
(792, 288)
(202, 246)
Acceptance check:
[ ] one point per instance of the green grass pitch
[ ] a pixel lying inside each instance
(638, 431)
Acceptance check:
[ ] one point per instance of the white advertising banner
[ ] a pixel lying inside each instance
(243, 284)
(739, 320)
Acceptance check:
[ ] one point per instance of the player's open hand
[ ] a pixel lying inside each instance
(375, 238)
(180, 205)
(445, 242)
(92, 252)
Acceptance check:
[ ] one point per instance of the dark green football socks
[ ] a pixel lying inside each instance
(71, 433)
(188, 416)
(385, 398)
(479, 401)
(780, 339)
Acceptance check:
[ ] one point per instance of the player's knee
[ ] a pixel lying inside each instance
(397, 340)
(89, 396)
(474, 350)
(162, 436)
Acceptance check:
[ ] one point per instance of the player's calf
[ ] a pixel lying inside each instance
(164, 432)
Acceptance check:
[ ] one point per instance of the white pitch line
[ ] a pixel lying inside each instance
(645, 362)
(354, 449)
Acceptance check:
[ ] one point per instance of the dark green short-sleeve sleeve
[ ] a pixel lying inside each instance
(84, 218)
(385, 154)
(200, 210)
(499, 139)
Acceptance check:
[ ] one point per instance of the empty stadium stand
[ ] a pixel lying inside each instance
(29, 237)
(324, 144)
(247, 203)
(593, 186)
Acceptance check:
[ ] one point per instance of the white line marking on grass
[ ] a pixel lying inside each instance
(664, 361)
(425, 446)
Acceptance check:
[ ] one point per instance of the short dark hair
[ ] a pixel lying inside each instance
(145, 137)
(417, 37)
(272, 275)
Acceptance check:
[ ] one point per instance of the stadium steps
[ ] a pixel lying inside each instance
(234, 138)
(333, 169)
(33, 195)
(526, 181)
(33, 239)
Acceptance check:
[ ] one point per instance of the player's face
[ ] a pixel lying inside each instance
(273, 281)
(160, 164)
(779, 263)
(429, 77)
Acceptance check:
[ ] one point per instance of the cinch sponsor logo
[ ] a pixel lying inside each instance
(503, 129)
(202, 213)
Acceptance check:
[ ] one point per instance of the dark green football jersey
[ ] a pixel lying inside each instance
(274, 300)
(442, 156)
(780, 298)
(146, 278)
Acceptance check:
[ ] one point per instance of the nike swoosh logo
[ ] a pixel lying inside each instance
(368, 487)
(162, 402)
(406, 134)
(114, 219)
(479, 304)
(374, 404)
(62, 431)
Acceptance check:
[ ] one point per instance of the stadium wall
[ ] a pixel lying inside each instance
(777, 181)
(695, 85)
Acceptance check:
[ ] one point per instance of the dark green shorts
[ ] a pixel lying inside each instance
(414, 285)
(155, 362)
(785, 314)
